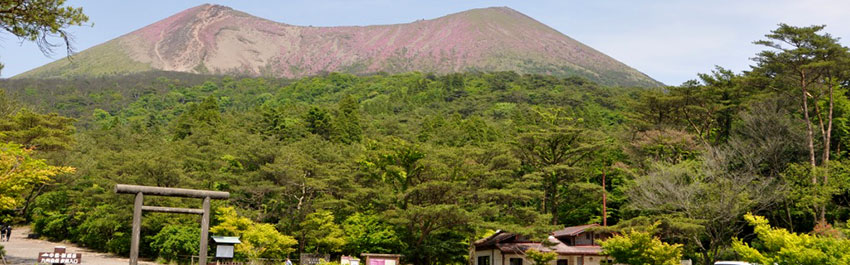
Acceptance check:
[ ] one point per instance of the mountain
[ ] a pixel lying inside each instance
(215, 39)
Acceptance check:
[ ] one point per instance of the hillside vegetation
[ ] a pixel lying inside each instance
(213, 39)
(423, 164)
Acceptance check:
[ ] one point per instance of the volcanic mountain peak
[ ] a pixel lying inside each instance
(217, 39)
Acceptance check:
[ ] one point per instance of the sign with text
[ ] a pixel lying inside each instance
(382, 262)
(59, 258)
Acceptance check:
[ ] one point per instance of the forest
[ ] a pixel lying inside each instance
(424, 164)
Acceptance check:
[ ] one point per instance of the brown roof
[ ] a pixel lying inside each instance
(578, 250)
(572, 230)
(512, 243)
(493, 239)
(557, 247)
(500, 237)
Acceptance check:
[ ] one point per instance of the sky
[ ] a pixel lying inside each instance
(671, 41)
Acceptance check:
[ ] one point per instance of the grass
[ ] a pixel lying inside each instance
(108, 58)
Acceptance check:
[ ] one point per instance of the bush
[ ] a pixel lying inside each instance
(258, 240)
(101, 226)
(52, 225)
(174, 241)
(779, 246)
(638, 248)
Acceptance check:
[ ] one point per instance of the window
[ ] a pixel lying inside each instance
(607, 262)
(588, 236)
(484, 260)
(516, 261)
(580, 260)
(563, 262)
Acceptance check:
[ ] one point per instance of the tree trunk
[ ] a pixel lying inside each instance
(809, 131)
(546, 198)
(554, 204)
(788, 213)
(471, 259)
(810, 141)
(828, 139)
(826, 148)
(33, 193)
(705, 259)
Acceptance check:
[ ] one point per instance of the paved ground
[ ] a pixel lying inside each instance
(23, 251)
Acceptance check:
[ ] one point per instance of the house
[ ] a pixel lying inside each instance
(579, 235)
(574, 245)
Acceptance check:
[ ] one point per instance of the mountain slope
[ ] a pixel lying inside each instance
(220, 40)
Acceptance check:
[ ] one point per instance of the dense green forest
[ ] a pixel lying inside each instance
(423, 164)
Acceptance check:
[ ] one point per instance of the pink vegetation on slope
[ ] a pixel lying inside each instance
(482, 38)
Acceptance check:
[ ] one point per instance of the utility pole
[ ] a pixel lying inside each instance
(604, 201)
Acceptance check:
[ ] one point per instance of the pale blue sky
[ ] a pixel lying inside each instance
(670, 41)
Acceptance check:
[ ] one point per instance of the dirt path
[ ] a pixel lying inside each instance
(21, 251)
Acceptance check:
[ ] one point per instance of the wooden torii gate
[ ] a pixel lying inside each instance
(138, 207)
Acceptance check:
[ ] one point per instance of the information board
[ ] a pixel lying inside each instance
(59, 258)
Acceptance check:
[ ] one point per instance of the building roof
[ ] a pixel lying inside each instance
(512, 243)
(498, 237)
(226, 240)
(554, 245)
(572, 230)
(578, 250)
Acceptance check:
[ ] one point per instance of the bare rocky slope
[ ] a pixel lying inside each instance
(219, 40)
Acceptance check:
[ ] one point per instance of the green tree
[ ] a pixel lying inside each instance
(176, 241)
(205, 114)
(347, 121)
(39, 20)
(322, 234)
(707, 194)
(641, 248)
(104, 227)
(303, 174)
(50, 132)
(540, 258)
(553, 156)
(258, 240)
(807, 63)
(20, 173)
(401, 168)
(778, 246)
(280, 122)
(8, 105)
(319, 122)
(367, 233)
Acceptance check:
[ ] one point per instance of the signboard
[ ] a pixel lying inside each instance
(59, 258)
(313, 259)
(380, 259)
(224, 251)
(346, 260)
(382, 262)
